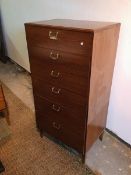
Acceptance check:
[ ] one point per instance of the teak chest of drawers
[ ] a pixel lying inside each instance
(71, 67)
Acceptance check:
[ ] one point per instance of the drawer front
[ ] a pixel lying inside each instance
(70, 82)
(59, 95)
(68, 63)
(68, 41)
(43, 105)
(63, 125)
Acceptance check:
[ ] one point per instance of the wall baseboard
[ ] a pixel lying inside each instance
(20, 68)
(117, 137)
(4, 59)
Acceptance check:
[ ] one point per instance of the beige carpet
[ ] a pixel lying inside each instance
(25, 153)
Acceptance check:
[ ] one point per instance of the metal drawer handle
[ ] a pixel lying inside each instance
(53, 36)
(53, 57)
(55, 91)
(56, 126)
(57, 109)
(54, 75)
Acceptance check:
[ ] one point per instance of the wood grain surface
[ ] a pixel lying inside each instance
(72, 66)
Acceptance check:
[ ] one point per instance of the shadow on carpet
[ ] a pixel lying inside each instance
(5, 132)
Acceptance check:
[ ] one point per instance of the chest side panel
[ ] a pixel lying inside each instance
(103, 60)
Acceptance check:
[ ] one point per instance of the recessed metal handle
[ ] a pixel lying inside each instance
(56, 126)
(55, 91)
(56, 108)
(53, 56)
(55, 75)
(53, 35)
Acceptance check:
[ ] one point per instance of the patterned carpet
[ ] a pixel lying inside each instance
(25, 153)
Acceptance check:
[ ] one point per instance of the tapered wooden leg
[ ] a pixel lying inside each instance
(101, 136)
(41, 133)
(83, 158)
(37, 126)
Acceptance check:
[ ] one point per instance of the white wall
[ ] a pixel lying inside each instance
(15, 13)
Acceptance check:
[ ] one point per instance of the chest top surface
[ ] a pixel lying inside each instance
(81, 25)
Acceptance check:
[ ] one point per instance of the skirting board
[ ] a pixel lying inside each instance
(117, 137)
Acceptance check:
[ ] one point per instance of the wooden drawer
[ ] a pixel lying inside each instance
(44, 105)
(70, 82)
(59, 95)
(63, 125)
(64, 40)
(68, 63)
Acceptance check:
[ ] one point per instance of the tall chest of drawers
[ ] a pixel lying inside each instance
(72, 65)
